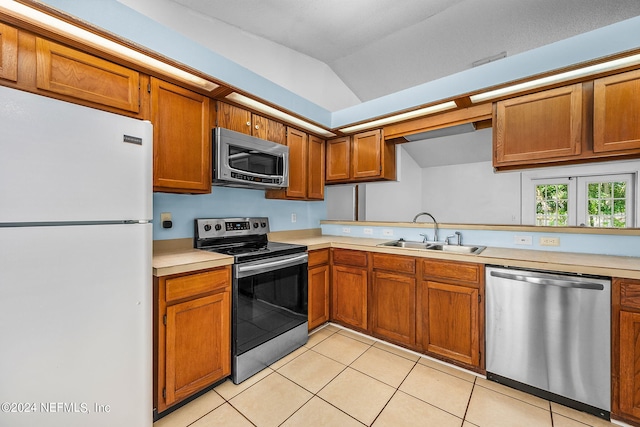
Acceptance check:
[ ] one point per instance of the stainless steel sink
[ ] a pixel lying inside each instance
(406, 244)
(461, 249)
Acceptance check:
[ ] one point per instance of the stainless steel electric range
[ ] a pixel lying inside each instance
(269, 293)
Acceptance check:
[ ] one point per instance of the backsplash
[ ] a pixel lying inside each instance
(605, 244)
(232, 202)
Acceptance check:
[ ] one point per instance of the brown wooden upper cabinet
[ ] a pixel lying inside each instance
(244, 121)
(616, 113)
(361, 157)
(306, 168)
(65, 71)
(181, 139)
(8, 53)
(538, 128)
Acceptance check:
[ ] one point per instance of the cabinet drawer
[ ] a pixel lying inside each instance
(462, 271)
(394, 263)
(195, 284)
(348, 257)
(630, 293)
(318, 257)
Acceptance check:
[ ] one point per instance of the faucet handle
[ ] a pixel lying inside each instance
(458, 235)
(425, 237)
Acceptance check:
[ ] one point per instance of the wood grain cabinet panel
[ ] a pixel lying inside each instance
(198, 345)
(538, 127)
(67, 71)
(234, 118)
(297, 142)
(191, 333)
(366, 159)
(349, 296)
(181, 139)
(630, 364)
(316, 169)
(616, 113)
(318, 306)
(338, 159)
(8, 53)
(451, 321)
(393, 308)
(452, 270)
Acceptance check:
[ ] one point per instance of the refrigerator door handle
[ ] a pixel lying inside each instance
(550, 282)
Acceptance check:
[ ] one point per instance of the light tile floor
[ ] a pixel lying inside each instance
(341, 378)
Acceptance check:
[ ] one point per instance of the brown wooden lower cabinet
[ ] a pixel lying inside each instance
(349, 296)
(393, 307)
(318, 288)
(626, 350)
(449, 316)
(192, 333)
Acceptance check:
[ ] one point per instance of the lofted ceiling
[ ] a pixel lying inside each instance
(378, 47)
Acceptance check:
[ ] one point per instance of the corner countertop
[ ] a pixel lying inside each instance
(178, 256)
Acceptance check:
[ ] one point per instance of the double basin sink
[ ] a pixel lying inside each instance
(430, 246)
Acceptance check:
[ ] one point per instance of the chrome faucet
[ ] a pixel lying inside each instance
(435, 225)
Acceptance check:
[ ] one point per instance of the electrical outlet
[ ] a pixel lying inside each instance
(387, 232)
(368, 231)
(165, 216)
(346, 230)
(294, 218)
(523, 240)
(549, 241)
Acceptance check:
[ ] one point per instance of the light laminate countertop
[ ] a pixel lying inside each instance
(178, 256)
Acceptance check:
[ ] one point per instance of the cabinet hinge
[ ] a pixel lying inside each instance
(149, 87)
(164, 393)
(164, 319)
(479, 298)
(479, 356)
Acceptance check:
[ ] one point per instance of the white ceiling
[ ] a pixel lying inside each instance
(378, 47)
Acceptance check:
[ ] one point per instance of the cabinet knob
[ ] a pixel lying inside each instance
(257, 127)
(248, 123)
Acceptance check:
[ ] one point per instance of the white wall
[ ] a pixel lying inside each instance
(397, 200)
(472, 194)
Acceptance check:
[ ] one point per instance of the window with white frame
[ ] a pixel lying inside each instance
(588, 200)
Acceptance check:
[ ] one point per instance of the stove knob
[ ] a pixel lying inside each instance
(255, 225)
(263, 224)
(207, 227)
(218, 227)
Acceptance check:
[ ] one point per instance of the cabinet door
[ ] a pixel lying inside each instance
(540, 126)
(450, 321)
(315, 169)
(8, 53)
(234, 118)
(616, 111)
(67, 71)
(318, 296)
(298, 153)
(268, 129)
(338, 159)
(198, 347)
(181, 139)
(366, 154)
(349, 296)
(630, 363)
(393, 307)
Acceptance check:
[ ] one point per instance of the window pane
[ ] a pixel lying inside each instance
(607, 204)
(551, 204)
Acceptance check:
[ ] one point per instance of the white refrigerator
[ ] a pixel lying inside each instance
(75, 265)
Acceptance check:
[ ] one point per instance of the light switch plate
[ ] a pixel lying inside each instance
(523, 240)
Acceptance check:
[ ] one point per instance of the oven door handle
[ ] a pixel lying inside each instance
(242, 270)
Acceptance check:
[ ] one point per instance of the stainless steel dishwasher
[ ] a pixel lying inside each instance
(550, 335)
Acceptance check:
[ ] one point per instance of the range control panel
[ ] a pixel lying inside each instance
(207, 228)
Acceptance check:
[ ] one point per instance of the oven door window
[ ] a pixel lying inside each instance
(268, 304)
(252, 161)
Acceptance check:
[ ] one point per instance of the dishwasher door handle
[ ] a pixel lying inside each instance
(548, 281)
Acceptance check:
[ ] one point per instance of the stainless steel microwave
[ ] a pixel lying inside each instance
(241, 160)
